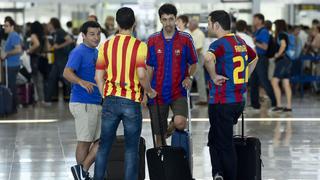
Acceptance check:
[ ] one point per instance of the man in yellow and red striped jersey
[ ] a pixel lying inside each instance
(120, 76)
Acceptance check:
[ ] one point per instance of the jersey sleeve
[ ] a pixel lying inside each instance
(192, 53)
(252, 55)
(102, 61)
(142, 55)
(151, 56)
(74, 61)
(216, 49)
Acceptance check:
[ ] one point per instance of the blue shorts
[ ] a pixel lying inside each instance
(283, 68)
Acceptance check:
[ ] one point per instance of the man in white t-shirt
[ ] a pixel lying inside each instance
(241, 28)
(102, 36)
(198, 39)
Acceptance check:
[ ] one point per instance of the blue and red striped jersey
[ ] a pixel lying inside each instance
(232, 56)
(170, 59)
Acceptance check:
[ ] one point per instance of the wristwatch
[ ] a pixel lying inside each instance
(191, 78)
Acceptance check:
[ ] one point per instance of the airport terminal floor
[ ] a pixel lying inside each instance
(39, 142)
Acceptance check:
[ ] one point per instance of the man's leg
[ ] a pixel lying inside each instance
(264, 80)
(179, 108)
(52, 81)
(132, 123)
(12, 85)
(254, 89)
(109, 123)
(201, 83)
(164, 113)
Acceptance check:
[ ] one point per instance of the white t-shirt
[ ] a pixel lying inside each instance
(198, 38)
(248, 39)
(102, 39)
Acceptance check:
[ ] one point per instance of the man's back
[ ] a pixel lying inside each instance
(120, 57)
(232, 58)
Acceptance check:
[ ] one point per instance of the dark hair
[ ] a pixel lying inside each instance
(184, 19)
(167, 9)
(37, 29)
(69, 24)
(55, 23)
(281, 26)
(125, 18)
(315, 21)
(259, 16)
(89, 24)
(268, 25)
(241, 26)
(10, 21)
(222, 17)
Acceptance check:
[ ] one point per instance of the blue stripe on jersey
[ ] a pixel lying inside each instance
(183, 65)
(167, 81)
(155, 63)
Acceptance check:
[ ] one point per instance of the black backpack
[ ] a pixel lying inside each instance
(272, 47)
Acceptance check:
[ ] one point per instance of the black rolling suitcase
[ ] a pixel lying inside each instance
(166, 162)
(115, 169)
(248, 151)
(6, 98)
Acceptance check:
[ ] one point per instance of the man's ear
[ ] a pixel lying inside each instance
(83, 35)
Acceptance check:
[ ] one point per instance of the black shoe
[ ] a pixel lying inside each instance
(287, 110)
(78, 173)
(277, 109)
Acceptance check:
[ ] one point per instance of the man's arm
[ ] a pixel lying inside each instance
(17, 50)
(69, 74)
(209, 63)
(145, 82)
(99, 77)
(263, 46)
(68, 41)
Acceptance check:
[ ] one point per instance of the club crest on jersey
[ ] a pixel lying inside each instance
(159, 51)
(177, 52)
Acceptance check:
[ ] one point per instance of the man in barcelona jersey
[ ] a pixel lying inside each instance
(229, 62)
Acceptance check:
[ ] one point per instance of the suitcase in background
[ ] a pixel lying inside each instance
(167, 162)
(25, 94)
(248, 150)
(115, 169)
(6, 98)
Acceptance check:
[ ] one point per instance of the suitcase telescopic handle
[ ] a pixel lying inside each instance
(190, 131)
(242, 125)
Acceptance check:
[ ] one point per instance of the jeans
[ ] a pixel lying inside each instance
(114, 110)
(12, 84)
(220, 138)
(260, 77)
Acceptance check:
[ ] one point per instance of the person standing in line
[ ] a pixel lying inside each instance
(199, 38)
(85, 98)
(11, 54)
(229, 62)
(171, 63)
(120, 75)
(260, 74)
(182, 23)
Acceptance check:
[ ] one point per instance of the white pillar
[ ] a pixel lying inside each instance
(256, 6)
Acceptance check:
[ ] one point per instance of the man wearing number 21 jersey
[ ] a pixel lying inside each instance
(229, 62)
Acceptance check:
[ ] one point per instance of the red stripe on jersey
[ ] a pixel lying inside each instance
(123, 68)
(105, 51)
(114, 63)
(133, 68)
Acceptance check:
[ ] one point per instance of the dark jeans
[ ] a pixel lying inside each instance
(260, 77)
(12, 84)
(114, 110)
(222, 152)
(55, 75)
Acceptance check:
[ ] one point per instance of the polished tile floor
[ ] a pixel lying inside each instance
(45, 150)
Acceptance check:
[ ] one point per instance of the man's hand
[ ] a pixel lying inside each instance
(219, 80)
(55, 46)
(186, 83)
(3, 56)
(144, 101)
(152, 94)
(88, 86)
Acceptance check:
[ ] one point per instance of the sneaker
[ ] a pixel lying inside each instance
(286, 110)
(202, 103)
(78, 173)
(217, 177)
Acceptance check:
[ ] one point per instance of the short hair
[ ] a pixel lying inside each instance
(259, 16)
(168, 9)
(241, 26)
(55, 23)
(10, 21)
(184, 18)
(69, 24)
(125, 18)
(268, 25)
(89, 24)
(315, 21)
(222, 17)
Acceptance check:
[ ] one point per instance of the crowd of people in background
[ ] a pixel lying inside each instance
(55, 56)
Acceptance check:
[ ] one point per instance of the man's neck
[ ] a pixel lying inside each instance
(259, 27)
(125, 31)
(168, 35)
(220, 34)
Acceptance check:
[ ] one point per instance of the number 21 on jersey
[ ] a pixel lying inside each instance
(239, 70)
